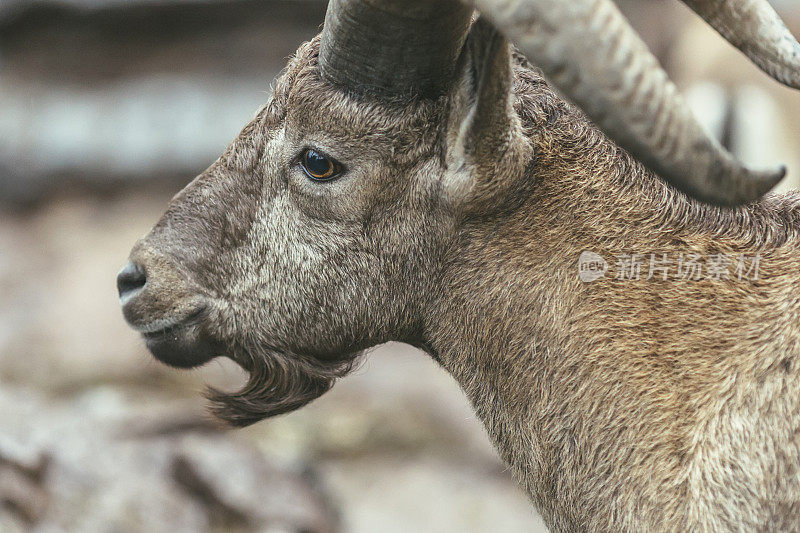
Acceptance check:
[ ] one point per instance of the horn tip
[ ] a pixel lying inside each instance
(772, 177)
(793, 83)
(753, 185)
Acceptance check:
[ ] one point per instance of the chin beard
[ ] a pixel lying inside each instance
(278, 383)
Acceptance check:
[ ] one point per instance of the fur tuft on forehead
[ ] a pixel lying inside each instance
(410, 126)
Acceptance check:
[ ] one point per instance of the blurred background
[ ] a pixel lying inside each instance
(107, 108)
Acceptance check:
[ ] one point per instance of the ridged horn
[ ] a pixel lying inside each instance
(393, 48)
(757, 30)
(590, 52)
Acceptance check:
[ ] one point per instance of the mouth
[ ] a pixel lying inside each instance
(166, 326)
(183, 344)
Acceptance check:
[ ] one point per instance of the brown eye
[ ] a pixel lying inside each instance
(318, 166)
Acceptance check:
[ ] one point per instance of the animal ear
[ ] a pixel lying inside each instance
(484, 133)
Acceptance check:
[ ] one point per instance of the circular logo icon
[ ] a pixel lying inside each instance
(591, 267)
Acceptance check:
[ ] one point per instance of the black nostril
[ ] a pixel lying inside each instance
(130, 278)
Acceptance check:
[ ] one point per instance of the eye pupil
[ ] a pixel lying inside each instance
(318, 166)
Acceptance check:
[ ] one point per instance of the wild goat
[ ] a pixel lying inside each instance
(412, 178)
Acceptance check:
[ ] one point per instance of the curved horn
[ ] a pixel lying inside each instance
(588, 49)
(755, 28)
(393, 48)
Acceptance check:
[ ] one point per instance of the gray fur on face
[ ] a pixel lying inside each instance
(325, 269)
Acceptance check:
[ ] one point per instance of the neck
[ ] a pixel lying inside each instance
(596, 393)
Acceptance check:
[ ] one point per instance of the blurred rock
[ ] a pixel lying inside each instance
(137, 132)
(241, 490)
(22, 470)
(23, 496)
(100, 479)
(28, 461)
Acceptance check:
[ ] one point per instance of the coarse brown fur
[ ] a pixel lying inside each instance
(620, 405)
